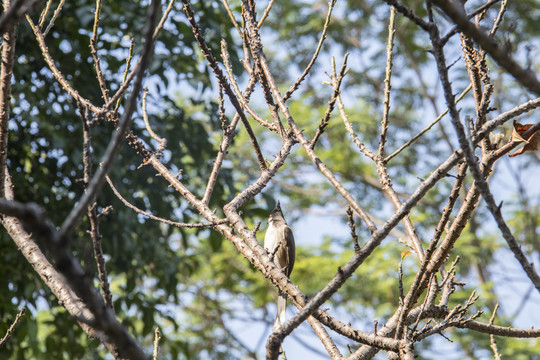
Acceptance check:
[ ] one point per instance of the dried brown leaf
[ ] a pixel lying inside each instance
(531, 143)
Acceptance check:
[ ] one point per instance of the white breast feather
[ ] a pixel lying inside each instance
(271, 239)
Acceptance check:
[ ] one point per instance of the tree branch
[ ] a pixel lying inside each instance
(97, 181)
(525, 77)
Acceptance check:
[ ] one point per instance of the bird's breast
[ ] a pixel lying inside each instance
(271, 239)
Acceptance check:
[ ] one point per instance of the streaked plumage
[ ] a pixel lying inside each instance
(279, 240)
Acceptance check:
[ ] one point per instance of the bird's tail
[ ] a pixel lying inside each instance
(281, 309)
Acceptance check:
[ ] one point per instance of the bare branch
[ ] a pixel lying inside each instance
(492, 342)
(92, 212)
(95, 57)
(266, 12)
(306, 71)
(57, 74)
(387, 81)
(231, 16)
(352, 226)
(83, 302)
(53, 19)
(13, 12)
(6, 73)
(162, 141)
(164, 17)
(351, 132)
(98, 179)
(9, 331)
(479, 10)
(427, 128)
(126, 72)
(221, 78)
(525, 77)
(407, 12)
(337, 78)
(157, 218)
(157, 337)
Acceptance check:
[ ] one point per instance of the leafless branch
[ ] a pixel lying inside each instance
(492, 342)
(427, 128)
(95, 56)
(407, 12)
(11, 329)
(6, 73)
(157, 337)
(306, 71)
(157, 218)
(95, 184)
(57, 74)
(13, 12)
(387, 80)
(525, 77)
(92, 213)
(337, 78)
(266, 12)
(53, 19)
(221, 78)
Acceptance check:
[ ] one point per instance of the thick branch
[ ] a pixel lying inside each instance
(501, 56)
(6, 72)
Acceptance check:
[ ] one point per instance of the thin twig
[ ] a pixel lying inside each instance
(266, 12)
(164, 17)
(162, 141)
(350, 130)
(492, 342)
(53, 19)
(44, 13)
(126, 71)
(98, 179)
(157, 218)
(228, 68)
(231, 16)
(417, 136)
(221, 78)
(352, 226)
(57, 74)
(11, 329)
(157, 337)
(145, 117)
(479, 10)
(498, 20)
(92, 212)
(387, 81)
(306, 71)
(337, 78)
(407, 12)
(95, 57)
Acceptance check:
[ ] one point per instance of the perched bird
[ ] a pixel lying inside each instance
(279, 242)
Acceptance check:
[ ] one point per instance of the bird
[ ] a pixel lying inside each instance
(279, 242)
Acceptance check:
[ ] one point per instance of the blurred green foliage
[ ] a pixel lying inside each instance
(191, 283)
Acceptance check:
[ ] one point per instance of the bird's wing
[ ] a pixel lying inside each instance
(291, 254)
